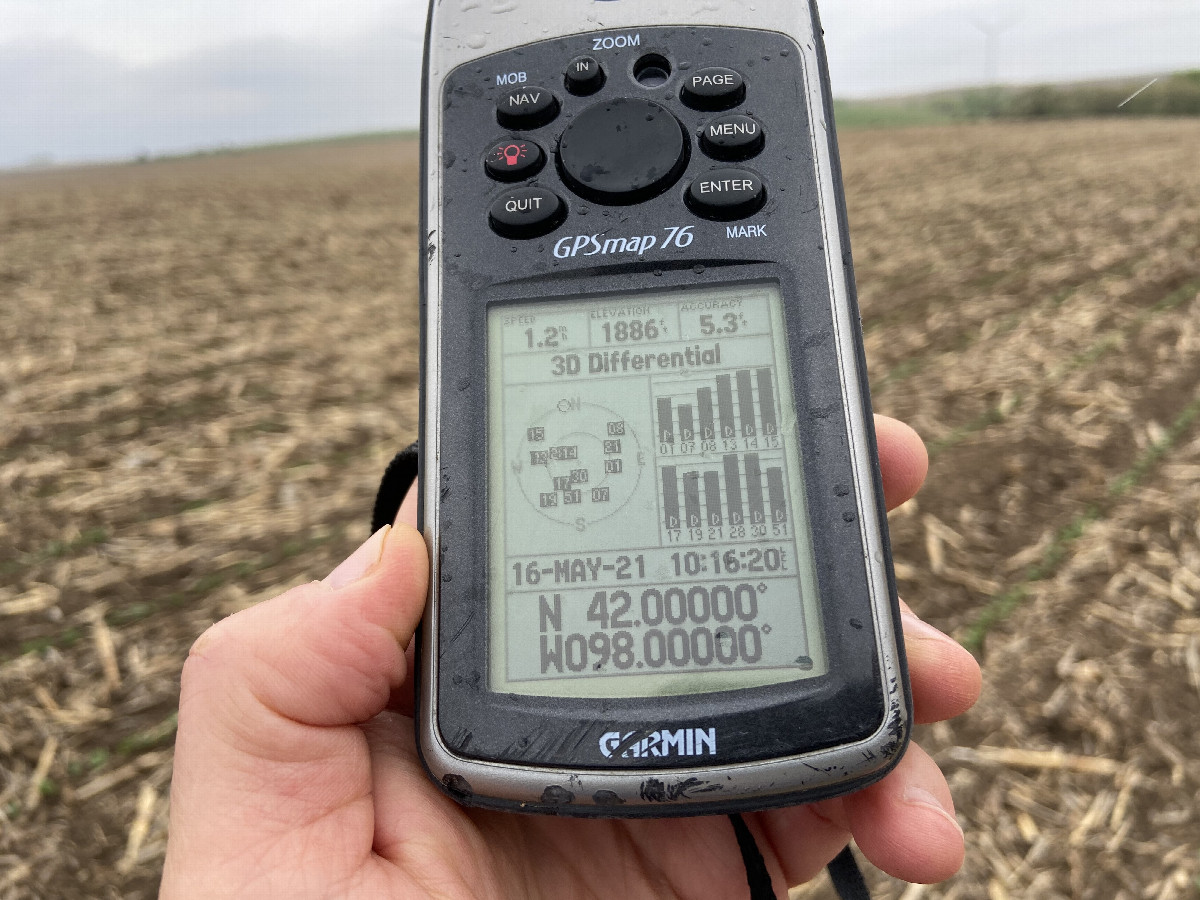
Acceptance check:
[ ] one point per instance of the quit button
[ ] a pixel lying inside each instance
(726, 194)
(526, 213)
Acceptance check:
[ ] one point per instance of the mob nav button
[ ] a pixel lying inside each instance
(527, 107)
(526, 213)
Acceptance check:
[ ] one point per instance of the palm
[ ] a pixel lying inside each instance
(422, 839)
(544, 858)
(366, 821)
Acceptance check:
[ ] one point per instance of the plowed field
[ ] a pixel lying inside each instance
(205, 365)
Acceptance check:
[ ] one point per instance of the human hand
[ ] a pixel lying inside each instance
(296, 773)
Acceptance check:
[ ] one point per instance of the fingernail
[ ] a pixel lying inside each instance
(918, 796)
(918, 628)
(360, 562)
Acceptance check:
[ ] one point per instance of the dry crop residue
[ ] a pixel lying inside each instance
(206, 364)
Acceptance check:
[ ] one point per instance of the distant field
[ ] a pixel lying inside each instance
(1176, 94)
(206, 364)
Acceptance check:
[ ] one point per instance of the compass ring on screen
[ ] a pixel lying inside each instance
(579, 463)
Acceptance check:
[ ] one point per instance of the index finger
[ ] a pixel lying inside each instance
(903, 460)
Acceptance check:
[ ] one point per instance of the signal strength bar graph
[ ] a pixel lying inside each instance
(728, 495)
(738, 405)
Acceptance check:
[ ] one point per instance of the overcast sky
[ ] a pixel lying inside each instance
(110, 79)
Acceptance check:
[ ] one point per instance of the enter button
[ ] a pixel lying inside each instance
(726, 194)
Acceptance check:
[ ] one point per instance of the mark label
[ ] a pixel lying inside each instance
(745, 231)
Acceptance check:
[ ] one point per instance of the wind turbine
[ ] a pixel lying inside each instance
(992, 29)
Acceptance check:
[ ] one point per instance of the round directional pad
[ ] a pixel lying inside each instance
(622, 151)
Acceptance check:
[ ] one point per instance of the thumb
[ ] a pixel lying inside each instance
(324, 653)
(268, 759)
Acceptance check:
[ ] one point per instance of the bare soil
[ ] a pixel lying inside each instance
(205, 365)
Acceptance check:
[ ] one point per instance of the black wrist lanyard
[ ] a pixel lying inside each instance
(847, 879)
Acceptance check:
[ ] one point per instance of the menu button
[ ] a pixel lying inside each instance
(732, 137)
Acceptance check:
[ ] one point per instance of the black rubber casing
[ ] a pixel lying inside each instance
(787, 245)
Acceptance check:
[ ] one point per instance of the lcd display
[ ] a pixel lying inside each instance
(648, 532)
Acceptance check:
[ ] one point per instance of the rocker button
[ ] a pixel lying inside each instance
(726, 194)
(732, 137)
(526, 213)
(623, 151)
(514, 160)
(526, 107)
(713, 88)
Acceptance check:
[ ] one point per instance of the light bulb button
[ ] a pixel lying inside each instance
(514, 160)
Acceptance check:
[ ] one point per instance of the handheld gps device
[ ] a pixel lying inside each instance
(661, 582)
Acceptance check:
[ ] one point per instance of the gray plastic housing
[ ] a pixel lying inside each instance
(783, 746)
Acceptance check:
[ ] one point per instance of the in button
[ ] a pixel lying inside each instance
(726, 194)
(584, 76)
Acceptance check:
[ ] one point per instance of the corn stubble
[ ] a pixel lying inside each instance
(207, 363)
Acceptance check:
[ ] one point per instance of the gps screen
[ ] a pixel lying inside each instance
(648, 531)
